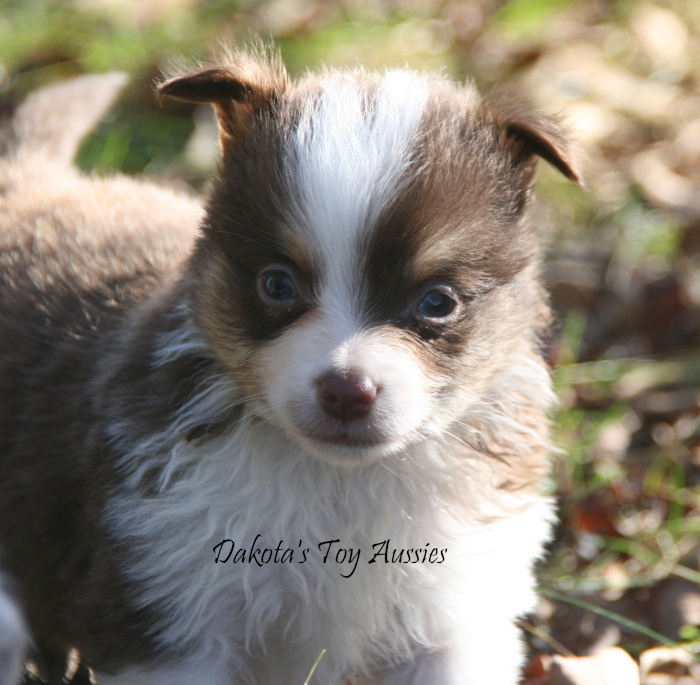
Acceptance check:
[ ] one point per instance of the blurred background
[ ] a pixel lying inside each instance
(623, 264)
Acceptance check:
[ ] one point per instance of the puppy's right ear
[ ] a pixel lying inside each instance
(240, 88)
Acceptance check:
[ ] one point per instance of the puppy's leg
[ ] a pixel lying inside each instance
(493, 585)
(492, 657)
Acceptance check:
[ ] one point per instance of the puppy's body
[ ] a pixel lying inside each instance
(295, 376)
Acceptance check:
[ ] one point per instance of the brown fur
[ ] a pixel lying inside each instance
(77, 257)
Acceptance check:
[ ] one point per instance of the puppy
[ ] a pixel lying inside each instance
(316, 422)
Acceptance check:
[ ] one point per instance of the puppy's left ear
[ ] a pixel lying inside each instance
(527, 134)
(241, 87)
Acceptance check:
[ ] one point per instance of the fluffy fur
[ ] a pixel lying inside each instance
(158, 396)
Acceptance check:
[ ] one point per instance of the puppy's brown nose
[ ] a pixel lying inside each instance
(346, 396)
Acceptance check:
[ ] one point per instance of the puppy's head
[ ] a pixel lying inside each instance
(365, 265)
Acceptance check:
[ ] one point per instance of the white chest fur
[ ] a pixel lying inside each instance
(265, 620)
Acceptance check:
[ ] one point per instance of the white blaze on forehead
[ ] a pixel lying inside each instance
(350, 150)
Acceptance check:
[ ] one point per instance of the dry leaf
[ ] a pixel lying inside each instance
(612, 666)
(672, 660)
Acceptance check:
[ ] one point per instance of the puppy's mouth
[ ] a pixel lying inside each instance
(346, 445)
(345, 440)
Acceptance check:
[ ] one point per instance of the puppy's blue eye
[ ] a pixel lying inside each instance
(436, 305)
(279, 286)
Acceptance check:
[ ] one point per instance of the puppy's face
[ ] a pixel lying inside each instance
(364, 266)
